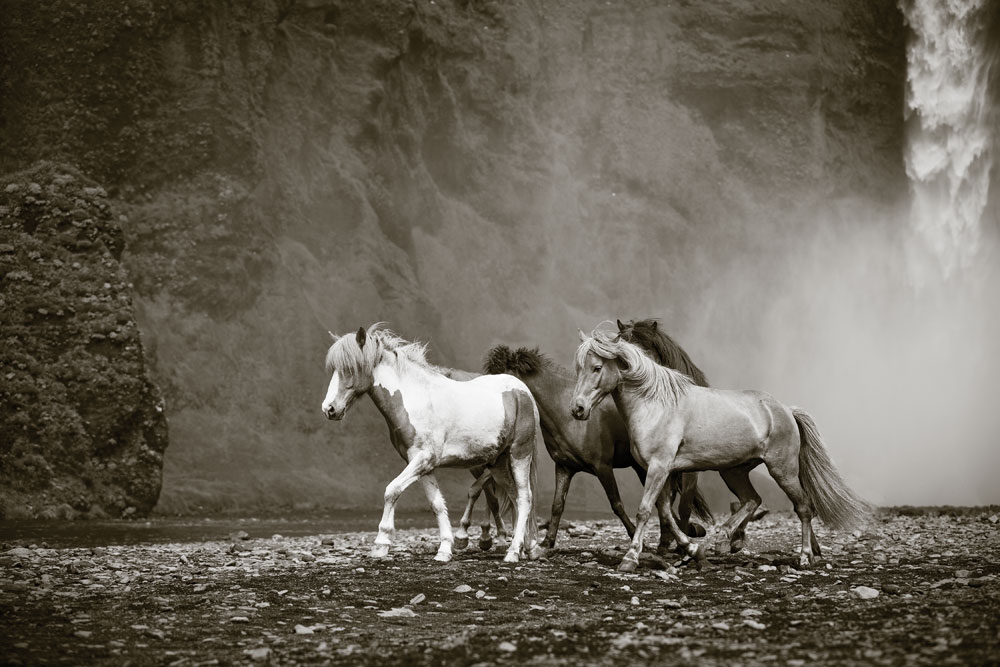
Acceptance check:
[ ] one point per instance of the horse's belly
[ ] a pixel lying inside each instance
(466, 452)
(718, 441)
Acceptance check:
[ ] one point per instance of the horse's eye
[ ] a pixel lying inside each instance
(597, 369)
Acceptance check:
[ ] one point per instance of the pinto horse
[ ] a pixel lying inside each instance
(596, 447)
(678, 426)
(435, 421)
(650, 337)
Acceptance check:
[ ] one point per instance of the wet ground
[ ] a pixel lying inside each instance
(931, 596)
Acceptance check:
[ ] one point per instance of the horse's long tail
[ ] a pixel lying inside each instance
(833, 501)
(700, 508)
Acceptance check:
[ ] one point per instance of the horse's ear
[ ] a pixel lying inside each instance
(361, 336)
(655, 323)
(334, 336)
(583, 336)
(621, 327)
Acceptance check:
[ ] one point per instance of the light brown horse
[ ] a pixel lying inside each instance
(648, 335)
(677, 426)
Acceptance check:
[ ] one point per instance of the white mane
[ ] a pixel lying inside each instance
(647, 377)
(347, 357)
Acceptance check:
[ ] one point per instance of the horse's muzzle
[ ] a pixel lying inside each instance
(579, 412)
(334, 415)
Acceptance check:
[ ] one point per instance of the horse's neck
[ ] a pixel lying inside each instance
(635, 407)
(389, 380)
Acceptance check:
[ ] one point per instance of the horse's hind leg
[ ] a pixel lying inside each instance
(462, 535)
(738, 481)
(433, 491)
(563, 478)
(784, 468)
(510, 475)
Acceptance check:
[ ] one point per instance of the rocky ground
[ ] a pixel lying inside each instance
(903, 589)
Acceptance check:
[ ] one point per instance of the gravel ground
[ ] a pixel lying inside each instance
(903, 589)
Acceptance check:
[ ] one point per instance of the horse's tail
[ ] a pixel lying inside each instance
(700, 508)
(699, 505)
(833, 501)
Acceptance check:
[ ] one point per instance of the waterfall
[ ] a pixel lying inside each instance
(950, 142)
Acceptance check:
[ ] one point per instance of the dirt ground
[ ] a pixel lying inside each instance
(320, 599)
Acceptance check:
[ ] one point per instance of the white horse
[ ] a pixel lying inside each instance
(435, 422)
(678, 426)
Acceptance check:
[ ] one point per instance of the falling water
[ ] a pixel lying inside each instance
(950, 145)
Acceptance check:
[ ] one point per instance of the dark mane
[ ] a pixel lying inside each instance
(522, 362)
(647, 335)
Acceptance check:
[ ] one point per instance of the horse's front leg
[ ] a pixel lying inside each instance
(418, 466)
(433, 491)
(656, 477)
(563, 477)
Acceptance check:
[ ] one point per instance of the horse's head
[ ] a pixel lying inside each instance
(598, 373)
(636, 332)
(352, 366)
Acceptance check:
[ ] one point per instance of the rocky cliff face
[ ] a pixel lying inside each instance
(472, 172)
(83, 429)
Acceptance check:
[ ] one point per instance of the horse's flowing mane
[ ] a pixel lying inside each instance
(647, 335)
(648, 378)
(522, 362)
(347, 357)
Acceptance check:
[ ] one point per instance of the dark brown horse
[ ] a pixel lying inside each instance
(597, 446)
(647, 335)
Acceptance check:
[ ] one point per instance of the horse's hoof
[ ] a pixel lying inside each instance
(628, 565)
(736, 545)
(721, 547)
(760, 513)
(549, 542)
(461, 543)
(443, 557)
(486, 545)
(379, 551)
(806, 561)
(695, 530)
(511, 557)
(536, 552)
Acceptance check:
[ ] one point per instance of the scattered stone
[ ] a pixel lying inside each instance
(864, 592)
(756, 625)
(417, 599)
(462, 588)
(721, 626)
(890, 589)
(258, 654)
(239, 619)
(507, 647)
(397, 612)
(303, 629)
(480, 594)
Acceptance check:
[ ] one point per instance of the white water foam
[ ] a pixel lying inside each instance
(950, 141)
